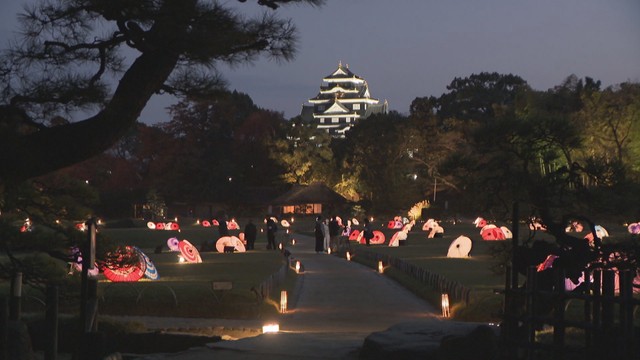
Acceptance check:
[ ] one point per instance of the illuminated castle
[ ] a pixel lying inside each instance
(343, 99)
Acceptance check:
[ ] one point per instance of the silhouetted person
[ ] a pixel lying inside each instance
(223, 230)
(368, 232)
(271, 234)
(319, 235)
(334, 232)
(250, 232)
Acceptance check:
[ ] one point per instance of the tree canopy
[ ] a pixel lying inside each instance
(73, 60)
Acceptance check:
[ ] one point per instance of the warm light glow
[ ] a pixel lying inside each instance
(270, 328)
(329, 250)
(292, 219)
(280, 246)
(287, 231)
(380, 267)
(445, 306)
(298, 266)
(175, 219)
(371, 219)
(180, 259)
(293, 241)
(283, 301)
(198, 222)
(348, 256)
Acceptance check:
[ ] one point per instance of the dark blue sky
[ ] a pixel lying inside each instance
(413, 48)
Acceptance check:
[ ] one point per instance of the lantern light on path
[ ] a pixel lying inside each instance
(298, 266)
(380, 267)
(270, 328)
(283, 301)
(445, 306)
(348, 256)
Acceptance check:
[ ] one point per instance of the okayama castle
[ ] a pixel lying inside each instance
(343, 100)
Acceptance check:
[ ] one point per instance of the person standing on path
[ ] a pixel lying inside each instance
(334, 232)
(368, 232)
(250, 233)
(319, 235)
(326, 236)
(271, 234)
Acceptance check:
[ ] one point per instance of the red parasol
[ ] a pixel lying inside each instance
(189, 252)
(354, 235)
(378, 238)
(125, 273)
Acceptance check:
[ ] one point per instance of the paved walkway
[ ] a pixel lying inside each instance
(339, 304)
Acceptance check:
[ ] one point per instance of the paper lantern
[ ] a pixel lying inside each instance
(348, 256)
(380, 267)
(298, 266)
(283, 301)
(270, 328)
(446, 311)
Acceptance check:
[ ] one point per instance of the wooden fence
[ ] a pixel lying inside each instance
(456, 291)
(605, 327)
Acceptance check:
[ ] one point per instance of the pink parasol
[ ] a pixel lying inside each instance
(189, 252)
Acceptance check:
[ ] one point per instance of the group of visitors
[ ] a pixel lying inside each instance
(331, 234)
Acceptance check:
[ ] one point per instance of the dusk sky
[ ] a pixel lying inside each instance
(414, 48)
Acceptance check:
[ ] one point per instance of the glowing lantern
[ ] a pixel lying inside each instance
(380, 267)
(270, 328)
(280, 246)
(283, 301)
(348, 256)
(180, 259)
(293, 241)
(298, 266)
(329, 250)
(445, 306)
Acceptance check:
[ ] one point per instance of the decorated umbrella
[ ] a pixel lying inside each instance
(408, 226)
(150, 270)
(159, 226)
(215, 222)
(634, 228)
(355, 235)
(601, 232)
(397, 237)
(206, 223)
(284, 223)
(492, 232)
(394, 224)
(151, 225)
(232, 225)
(378, 238)
(435, 231)
(355, 221)
(173, 244)
(230, 241)
(174, 226)
(77, 264)
(460, 247)
(480, 222)
(189, 252)
(128, 272)
(507, 233)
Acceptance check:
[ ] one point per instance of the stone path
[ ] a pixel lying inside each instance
(338, 305)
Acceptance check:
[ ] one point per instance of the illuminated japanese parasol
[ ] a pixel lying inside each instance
(233, 225)
(601, 232)
(174, 226)
(480, 222)
(151, 225)
(339, 220)
(284, 223)
(126, 273)
(189, 252)
(173, 244)
(397, 237)
(460, 247)
(230, 241)
(206, 223)
(77, 264)
(507, 233)
(150, 270)
(547, 263)
(492, 232)
(215, 222)
(354, 235)
(394, 224)
(408, 226)
(355, 221)
(159, 226)
(378, 238)
(428, 225)
(634, 228)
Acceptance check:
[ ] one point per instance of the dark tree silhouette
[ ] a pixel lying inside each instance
(71, 51)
